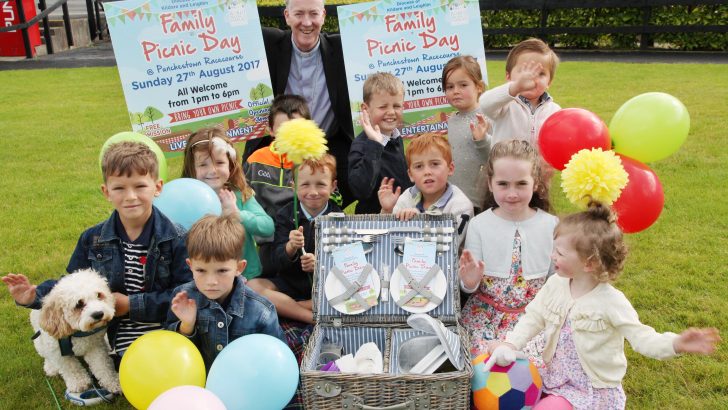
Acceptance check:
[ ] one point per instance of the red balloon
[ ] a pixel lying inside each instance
(641, 201)
(567, 132)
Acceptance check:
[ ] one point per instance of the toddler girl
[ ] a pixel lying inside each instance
(468, 127)
(211, 158)
(507, 248)
(585, 319)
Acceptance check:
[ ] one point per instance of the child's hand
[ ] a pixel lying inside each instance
(406, 214)
(471, 272)
(227, 200)
(388, 196)
(20, 288)
(480, 127)
(308, 262)
(186, 311)
(373, 133)
(525, 77)
(295, 241)
(121, 304)
(694, 340)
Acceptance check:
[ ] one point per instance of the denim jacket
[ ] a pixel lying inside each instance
(99, 248)
(247, 313)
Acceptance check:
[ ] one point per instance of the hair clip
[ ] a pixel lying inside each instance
(220, 145)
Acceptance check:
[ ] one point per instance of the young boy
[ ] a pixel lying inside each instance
(138, 250)
(294, 249)
(429, 164)
(378, 152)
(270, 174)
(216, 307)
(519, 107)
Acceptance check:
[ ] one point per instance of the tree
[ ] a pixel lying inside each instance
(151, 113)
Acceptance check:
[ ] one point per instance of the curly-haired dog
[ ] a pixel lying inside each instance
(77, 309)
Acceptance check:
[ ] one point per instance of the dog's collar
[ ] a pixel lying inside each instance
(65, 343)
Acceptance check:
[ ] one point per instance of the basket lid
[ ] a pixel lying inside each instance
(386, 236)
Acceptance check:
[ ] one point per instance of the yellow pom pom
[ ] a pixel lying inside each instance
(593, 175)
(300, 139)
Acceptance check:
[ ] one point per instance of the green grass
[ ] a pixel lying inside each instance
(55, 121)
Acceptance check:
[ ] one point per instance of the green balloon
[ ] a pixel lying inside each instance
(649, 127)
(137, 137)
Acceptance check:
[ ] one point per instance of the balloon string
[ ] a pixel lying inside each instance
(295, 196)
(53, 393)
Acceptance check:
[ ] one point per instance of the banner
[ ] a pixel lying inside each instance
(413, 40)
(188, 64)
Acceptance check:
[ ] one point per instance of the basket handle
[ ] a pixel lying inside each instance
(417, 401)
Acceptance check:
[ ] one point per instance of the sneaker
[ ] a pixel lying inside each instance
(90, 397)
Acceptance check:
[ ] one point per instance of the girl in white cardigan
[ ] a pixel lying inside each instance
(506, 258)
(585, 319)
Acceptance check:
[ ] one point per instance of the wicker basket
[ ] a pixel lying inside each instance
(385, 325)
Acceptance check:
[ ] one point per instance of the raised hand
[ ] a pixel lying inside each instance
(20, 288)
(228, 202)
(186, 311)
(295, 241)
(388, 195)
(471, 271)
(699, 341)
(524, 77)
(479, 128)
(373, 133)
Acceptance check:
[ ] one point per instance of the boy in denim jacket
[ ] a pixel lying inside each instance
(217, 308)
(138, 250)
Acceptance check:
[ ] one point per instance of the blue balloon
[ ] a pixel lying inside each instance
(186, 200)
(254, 372)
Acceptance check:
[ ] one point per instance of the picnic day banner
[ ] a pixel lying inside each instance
(187, 64)
(413, 40)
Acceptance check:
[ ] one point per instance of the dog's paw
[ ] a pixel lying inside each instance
(75, 387)
(113, 386)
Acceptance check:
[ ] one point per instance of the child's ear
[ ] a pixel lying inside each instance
(241, 266)
(451, 169)
(508, 76)
(187, 261)
(409, 174)
(333, 186)
(158, 187)
(363, 107)
(105, 191)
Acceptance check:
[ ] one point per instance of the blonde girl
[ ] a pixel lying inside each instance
(211, 158)
(585, 319)
(467, 127)
(507, 248)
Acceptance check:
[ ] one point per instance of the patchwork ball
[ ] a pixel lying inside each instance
(516, 386)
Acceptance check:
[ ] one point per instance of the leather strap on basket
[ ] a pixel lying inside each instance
(351, 288)
(418, 287)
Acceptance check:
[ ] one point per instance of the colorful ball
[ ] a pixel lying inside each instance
(516, 386)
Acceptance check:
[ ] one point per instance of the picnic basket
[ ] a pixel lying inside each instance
(384, 324)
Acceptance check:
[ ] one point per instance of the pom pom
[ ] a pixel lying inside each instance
(300, 139)
(593, 175)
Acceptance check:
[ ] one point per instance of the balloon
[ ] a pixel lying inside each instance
(254, 372)
(641, 201)
(156, 362)
(137, 137)
(187, 398)
(185, 200)
(650, 127)
(567, 132)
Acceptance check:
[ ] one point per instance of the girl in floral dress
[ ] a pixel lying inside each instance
(507, 248)
(585, 320)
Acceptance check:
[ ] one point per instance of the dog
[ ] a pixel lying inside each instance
(77, 310)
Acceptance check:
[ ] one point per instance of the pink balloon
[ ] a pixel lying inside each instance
(187, 398)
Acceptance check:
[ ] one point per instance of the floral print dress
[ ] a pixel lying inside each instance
(494, 309)
(563, 376)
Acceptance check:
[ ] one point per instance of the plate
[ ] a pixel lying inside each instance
(438, 286)
(333, 288)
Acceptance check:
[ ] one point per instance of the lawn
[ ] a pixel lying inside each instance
(55, 121)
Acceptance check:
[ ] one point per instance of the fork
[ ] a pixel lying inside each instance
(348, 239)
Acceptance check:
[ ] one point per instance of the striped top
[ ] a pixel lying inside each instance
(135, 257)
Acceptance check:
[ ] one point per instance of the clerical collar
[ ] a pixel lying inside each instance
(298, 51)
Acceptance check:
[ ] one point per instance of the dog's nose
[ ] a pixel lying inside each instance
(97, 315)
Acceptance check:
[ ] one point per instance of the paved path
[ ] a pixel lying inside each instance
(101, 54)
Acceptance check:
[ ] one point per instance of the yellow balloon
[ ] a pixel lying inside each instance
(157, 362)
